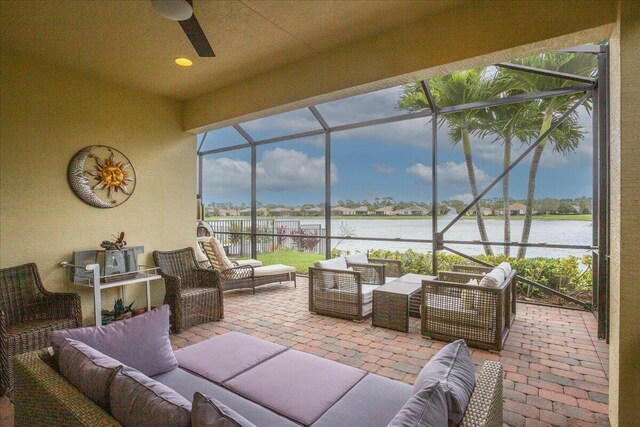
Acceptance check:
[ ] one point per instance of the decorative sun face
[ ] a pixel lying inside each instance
(111, 175)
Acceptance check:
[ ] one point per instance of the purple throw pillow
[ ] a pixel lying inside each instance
(88, 370)
(453, 368)
(141, 342)
(208, 412)
(137, 400)
(426, 408)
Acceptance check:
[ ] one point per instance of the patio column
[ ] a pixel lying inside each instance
(624, 387)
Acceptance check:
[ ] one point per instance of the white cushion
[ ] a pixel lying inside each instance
(367, 293)
(506, 267)
(493, 279)
(270, 270)
(339, 263)
(331, 264)
(467, 295)
(200, 256)
(389, 279)
(219, 253)
(251, 262)
(360, 258)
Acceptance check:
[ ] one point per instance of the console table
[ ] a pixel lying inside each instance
(143, 275)
(395, 301)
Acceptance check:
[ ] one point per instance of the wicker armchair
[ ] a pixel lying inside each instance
(482, 316)
(193, 293)
(28, 314)
(342, 293)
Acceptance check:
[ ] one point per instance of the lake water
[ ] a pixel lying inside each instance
(543, 231)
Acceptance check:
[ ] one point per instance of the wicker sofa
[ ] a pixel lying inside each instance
(311, 391)
(453, 309)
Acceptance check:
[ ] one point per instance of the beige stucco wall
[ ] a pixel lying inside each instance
(476, 34)
(624, 387)
(47, 115)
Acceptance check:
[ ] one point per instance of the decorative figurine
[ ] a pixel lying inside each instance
(118, 243)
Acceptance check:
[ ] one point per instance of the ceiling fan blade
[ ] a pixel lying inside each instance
(199, 41)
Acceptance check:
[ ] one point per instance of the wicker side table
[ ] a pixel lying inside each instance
(394, 302)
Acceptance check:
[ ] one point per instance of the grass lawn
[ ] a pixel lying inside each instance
(300, 260)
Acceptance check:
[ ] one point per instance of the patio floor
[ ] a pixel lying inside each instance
(556, 368)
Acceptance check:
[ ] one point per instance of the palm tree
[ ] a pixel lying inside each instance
(456, 89)
(566, 137)
(507, 123)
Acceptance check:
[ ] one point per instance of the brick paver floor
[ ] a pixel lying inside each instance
(555, 367)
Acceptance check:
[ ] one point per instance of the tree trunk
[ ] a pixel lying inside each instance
(533, 171)
(474, 190)
(506, 162)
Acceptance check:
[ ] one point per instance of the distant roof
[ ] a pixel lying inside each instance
(517, 206)
(385, 209)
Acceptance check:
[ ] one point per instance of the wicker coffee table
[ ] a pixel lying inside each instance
(395, 301)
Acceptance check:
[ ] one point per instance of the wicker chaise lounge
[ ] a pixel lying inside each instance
(453, 309)
(236, 275)
(28, 314)
(193, 293)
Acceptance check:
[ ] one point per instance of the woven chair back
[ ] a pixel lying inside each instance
(19, 287)
(181, 263)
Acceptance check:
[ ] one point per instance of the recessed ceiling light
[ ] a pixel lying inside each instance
(184, 62)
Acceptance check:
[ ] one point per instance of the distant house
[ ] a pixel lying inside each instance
(386, 210)
(484, 210)
(228, 212)
(517, 209)
(280, 212)
(247, 212)
(361, 210)
(413, 210)
(314, 211)
(341, 210)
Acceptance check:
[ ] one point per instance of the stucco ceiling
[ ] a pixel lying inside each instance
(127, 43)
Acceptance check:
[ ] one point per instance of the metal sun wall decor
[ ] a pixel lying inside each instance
(101, 176)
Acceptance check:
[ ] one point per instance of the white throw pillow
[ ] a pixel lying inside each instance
(360, 258)
(331, 264)
(467, 295)
(506, 267)
(493, 279)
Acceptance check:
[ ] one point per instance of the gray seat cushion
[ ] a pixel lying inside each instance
(426, 408)
(453, 368)
(297, 385)
(209, 412)
(373, 402)
(225, 356)
(88, 370)
(187, 384)
(137, 400)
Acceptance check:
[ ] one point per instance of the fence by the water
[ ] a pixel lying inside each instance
(235, 234)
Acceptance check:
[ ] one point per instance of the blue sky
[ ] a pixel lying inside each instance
(385, 160)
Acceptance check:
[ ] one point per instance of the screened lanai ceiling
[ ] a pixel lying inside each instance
(127, 43)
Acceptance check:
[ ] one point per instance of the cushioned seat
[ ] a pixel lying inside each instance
(443, 307)
(226, 356)
(186, 384)
(251, 262)
(378, 397)
(297, 385)
(272, 270)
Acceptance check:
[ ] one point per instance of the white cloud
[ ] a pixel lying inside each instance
(450, 174)
(465, 197)
(383, 169)
(279, 170)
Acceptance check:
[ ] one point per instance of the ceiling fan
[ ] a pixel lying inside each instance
(182, 11)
